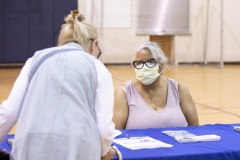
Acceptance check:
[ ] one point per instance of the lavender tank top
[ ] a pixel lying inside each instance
(142, 116)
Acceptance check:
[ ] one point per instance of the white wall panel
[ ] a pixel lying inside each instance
(118, 43)
(205, 38)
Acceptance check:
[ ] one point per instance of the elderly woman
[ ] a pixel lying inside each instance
(59, 100)
(152, 100)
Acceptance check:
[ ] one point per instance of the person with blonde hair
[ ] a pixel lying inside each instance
(151, 100)
(59, 100)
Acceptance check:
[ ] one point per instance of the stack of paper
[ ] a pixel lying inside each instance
(183, 136)
(237, 128)
(140, 143)
(117, 133)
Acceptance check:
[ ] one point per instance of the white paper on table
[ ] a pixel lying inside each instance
(202, 138)
(117, 133)
(183, 136)
(208, 137)
(237, 128)
(141, 143)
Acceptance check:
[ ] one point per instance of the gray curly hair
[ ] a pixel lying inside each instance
(156, 52)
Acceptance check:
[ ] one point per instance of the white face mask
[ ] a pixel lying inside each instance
(147, 75)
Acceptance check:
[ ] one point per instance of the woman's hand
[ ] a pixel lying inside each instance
(110, 154)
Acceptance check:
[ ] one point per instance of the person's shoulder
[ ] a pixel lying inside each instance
(182, 87)
(28, 61)
(45, 50)
(62, 48)
(172, 80)
(177, 83)
(123, 89)
(128, 82)
(120, 91)
(99, 65)
(49, 49)
(101, 69)
(126, 85)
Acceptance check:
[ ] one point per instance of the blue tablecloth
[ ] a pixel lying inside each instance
(4, 143)
(228, 148)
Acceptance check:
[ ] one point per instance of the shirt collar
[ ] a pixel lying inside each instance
(75, 45)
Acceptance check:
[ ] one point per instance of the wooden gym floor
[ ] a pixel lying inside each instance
(215, 91)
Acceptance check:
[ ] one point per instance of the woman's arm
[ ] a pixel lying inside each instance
(10, 109)
(188, 106)
(104, 107)
(120, 112)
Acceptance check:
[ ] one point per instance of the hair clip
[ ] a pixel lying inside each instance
(80, 17)
(76, 14)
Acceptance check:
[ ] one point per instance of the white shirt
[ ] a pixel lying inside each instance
(11, 108)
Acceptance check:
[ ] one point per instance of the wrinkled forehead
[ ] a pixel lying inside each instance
(143, 54)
